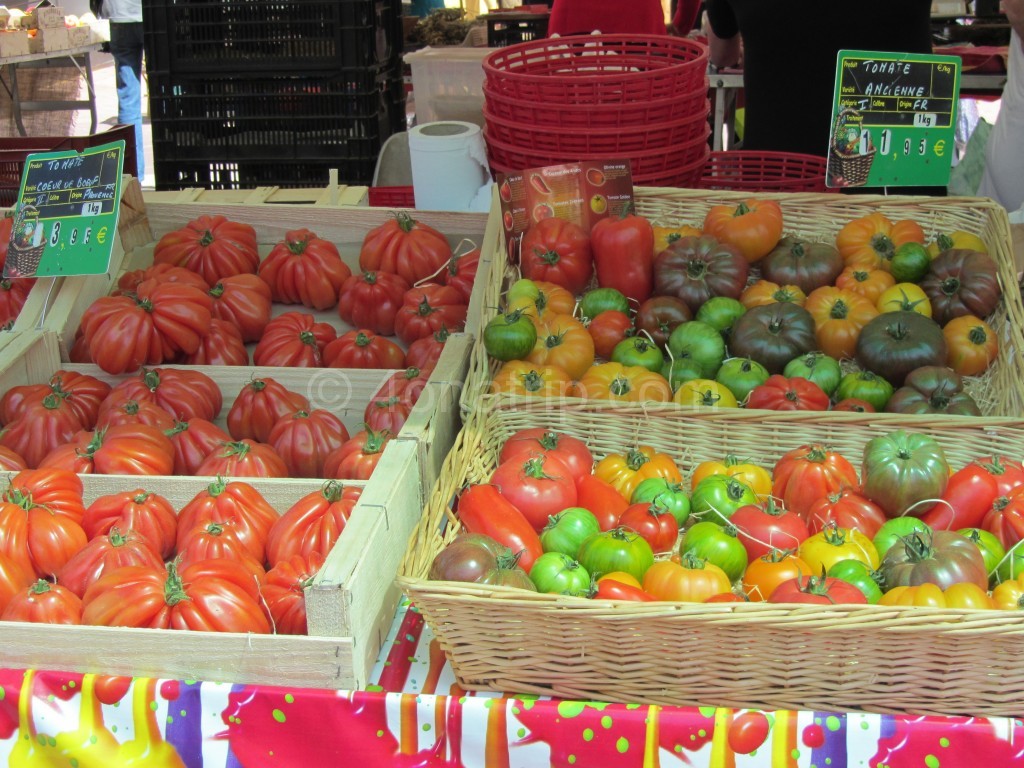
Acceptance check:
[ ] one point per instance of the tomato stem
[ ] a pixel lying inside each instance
(332, 490)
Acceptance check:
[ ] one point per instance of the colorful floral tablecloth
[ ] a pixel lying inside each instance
(415, 715)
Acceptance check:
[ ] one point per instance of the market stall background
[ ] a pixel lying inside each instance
(416, 715)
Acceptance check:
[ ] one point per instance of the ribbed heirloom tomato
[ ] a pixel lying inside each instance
(563, 340)
(539, 486)
(371, 300)
(313, 523)
(363, 349)
(149, 515)
(293, 339)
(244, 458)
(244, 301)
(805, 474)
(570, 450)
(754, 226)
(557, 251)
(105, 553)
(129, 282)
(212, 541)
(305, 438)
(44, 603)
(259, 405)
(284, 592)
(236, 503)
(41, 428)
(406, 247)
(427, 309)
(183, 393)
(134, 412)
(625, 471)
(192, 441)
(305, 269)
(80, 392)
(222, 345)
(36, 538)
(461, 271)
(357, 457)
(212, 246)
(124, 449)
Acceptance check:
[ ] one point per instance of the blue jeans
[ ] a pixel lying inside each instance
(126, 47)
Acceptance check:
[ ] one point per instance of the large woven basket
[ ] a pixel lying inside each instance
(875, 658)
(1000, 391)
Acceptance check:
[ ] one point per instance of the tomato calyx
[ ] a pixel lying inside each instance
(214, 528)
(620, 386)
(906, 304)
(815, 585)
(534, 469)
(833, 534)
(424, 309)
(783, 295)
(692, 561)
(696, 269)
(442, 334)
(839, 310)
(778, 555)
(5, 284)
(553, 340)
(636, 459)
(174, 588)
(140, 498)
(388, 403)
(308, 338)
(816, 455)
(709, 398)
(130, 407)
(258, 385)
(41, 587)
(236, 448)
(918, 546)
(217, 487)
(883, 245)
(362, 340)
(151, 379)
(332, 491)
(405, 221)
(994, 467)
(216, 292)
(549, 258)
(207, 237)
(532, 381)
(177, 429)
(775, 510)
(741, 210)
(977, 335)
(54, 400)
(298, 247)
(375, 441)
(950, 286)
(19, 498)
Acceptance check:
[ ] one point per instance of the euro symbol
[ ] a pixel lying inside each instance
(101, 235)
(940, 147)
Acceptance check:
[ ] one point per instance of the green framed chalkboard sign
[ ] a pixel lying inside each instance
(893, 119)
(65, 220)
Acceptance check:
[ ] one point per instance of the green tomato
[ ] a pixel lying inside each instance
(619, 549)
(817, 367)
(910, 263)
(601, 300)
(717, 497)
(1011, 565)
(718, 545)
(740, 375)
(859, 575)
(639, 350)
(558, 574)
(901, 471)
(566, 531)
(510, 336)
(665, 493)
(866, 386)
(721, 313)
(992, 550)
(678, 372)
(699, 346)
(893, 530)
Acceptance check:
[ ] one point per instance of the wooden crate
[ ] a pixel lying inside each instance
(999, 391)
(333, 195)
(350, 605)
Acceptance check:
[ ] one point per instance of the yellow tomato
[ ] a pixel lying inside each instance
(833, 544)
(623, 578)
(905, 297)
(945, 241)
(665, 236)
(931, 596)
(704, 393)
(563, 341)
(519, 377)
(758, 478)
(625, 471)
(1009, 595)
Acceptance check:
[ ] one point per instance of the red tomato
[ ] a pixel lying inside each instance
(284, 592)
(81, 392)
(427, 309)
(129, 282)
(259, 405)
(214, 596)
(406, 247)
(182, 392)
(193, 440)
(13, 295)
(212, 246)
(148, 514)
(41, 428)
(557, 251)
(120, 336)
(793, 394)
(371, 300)
(37, 539)
(58, 490)
(655, 524)
(624, 255)
(305, 438)
(357, 457)
(424, 353)
(305, 269)
(393, 402)
(44, 603)
(244, 301)
(805, 474)
(764, 527)
(570, 450)
(313, 523)
(223, 345)
(970, 493)
(124, 449)
(234, 503)
(134, 412)
(15, 576)
(104, 553)
(294, 340)
(11, 461)
(611, 589)
(1005, 519)
(484, 509)
(461, 272)
(244, 458)
(1009, 474)
(363, 349)
(818, 590)
(180, 313)
(855, 405)
(602, 499)
(847, 508)
(608, 329)
(213, 541)
(539, 487)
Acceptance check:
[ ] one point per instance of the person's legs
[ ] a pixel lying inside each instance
(126, 47)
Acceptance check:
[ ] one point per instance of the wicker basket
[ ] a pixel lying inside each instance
(999, 392)
(875, 658)
(23, 260)
(852, 168)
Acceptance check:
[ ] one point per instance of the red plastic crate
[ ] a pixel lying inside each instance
(391, 197)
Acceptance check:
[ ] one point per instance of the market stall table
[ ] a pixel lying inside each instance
(416, 715)
(73, 57)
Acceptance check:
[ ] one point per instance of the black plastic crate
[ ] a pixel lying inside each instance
(199, 36)
(175, 174)
(229, 129)
(511, 28)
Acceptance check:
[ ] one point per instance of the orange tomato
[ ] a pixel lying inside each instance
(690, 581)
(625, 471)
(754, 226)
(765, 573)
(838, 316)
(971, 343)
(1009, 595)
(766, 292)
(519, 377)
(623, 383)
(540, 300)
(564, 341)
(871, 241)
(869, 283)
(665, 236)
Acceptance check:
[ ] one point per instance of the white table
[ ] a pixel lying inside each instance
(72, 57)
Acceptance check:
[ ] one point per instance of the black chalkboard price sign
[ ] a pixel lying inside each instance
(893, 119)
(66, 217)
